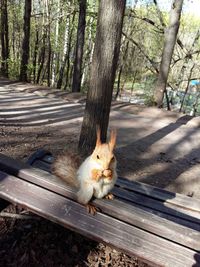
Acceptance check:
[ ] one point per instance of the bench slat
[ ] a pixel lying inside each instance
(134, 241)
(180, 200)
(144, 200)
(169, 206)
(146, 218)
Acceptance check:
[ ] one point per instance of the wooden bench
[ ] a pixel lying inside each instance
(159, 227)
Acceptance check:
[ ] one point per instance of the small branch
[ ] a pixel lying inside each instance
(18, 216)
(153, 64)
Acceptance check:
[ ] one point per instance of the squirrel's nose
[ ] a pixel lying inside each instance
(106, 165)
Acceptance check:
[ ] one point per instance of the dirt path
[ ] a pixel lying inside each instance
(154, 146)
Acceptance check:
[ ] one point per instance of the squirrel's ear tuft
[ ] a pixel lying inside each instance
(113, 136)
(98, 142)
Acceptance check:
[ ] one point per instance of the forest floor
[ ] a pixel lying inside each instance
(154, 146)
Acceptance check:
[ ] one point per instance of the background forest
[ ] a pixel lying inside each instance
(62, 35)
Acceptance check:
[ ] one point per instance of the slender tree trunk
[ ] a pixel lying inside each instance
(25, 44)
(119, 81)
(103, 69)
(121, 66)
(76, 83)
(89, 50)
(187, 88)
(3, 54)
(35, 55)
(13, 40)
(49, 63)
(65, 55)
(4, 38)
(41, 59)
(169, 43)
(133, 81)
(55, 53)
(67, 49)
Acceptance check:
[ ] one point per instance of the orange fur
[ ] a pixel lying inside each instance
(96, 174)
(112, 141)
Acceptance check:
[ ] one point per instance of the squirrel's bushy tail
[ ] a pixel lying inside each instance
(65, 167)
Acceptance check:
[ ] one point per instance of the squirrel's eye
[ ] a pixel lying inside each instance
(112, 158)
(98, 157)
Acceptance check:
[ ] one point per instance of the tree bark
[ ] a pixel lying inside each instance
(55, 52)
(103, 69)
(41, 58)
(76, 83)
(35, 54)
(4, 39)
(49, 62)
(169, 43)
(66, 53)
(25, 44)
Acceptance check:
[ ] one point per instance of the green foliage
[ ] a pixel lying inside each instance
(141, 45)
(14, 68)
(148, 87)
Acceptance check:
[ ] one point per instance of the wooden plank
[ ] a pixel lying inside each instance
(151, 249)
(177, 199)
(167, 208)
(160, 194)
(145, 201)
(178, 230)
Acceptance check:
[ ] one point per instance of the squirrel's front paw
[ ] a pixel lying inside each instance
(107, 173)
(96, 174)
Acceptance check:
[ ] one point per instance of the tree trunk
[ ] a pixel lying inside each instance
(187, 87)
(119, 81)
(49, 62)
(103, 69)
(89, 50)
(25, 44)
(66, 52)
(76, 83)
(169, 43)
(4, 38)
(35, 55)
(41, 58)
(65, 55)
(55, 52)
(121, 66)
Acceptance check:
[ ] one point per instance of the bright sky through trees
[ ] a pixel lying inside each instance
(190, 6)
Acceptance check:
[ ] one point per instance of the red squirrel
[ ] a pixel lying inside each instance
(96, 175)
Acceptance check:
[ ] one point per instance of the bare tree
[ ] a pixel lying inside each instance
(169, 43)
(76, 84)
(25, 44)
(103, 69)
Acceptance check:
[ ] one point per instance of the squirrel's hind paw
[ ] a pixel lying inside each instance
(92, 209)
(109, 196)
